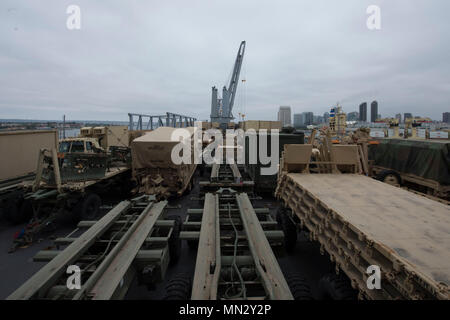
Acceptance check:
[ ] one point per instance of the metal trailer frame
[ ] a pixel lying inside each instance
(169, 120)
(226, 176)
(235, 239)
(60, 197)
(130, 240)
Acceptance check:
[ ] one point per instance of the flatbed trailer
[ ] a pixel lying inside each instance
(70, 193)
(134, 239)
(360, 222)
(234, 258)
(226, 176)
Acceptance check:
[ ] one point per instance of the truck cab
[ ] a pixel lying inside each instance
(79, 145)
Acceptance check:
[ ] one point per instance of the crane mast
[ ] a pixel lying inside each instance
(221, 108)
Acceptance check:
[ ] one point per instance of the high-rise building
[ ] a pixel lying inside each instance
(398, 116)
(298, 120)
(446, 117)
(284, 115)
(308, 118)
(353, 116)
(326, 116)
(407, 116)
(373, 111)
(363, 112)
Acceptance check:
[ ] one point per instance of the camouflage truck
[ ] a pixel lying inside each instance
(69, 184)
(80, 144)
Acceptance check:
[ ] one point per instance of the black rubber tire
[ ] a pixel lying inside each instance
(88, 207)
(179, 287)
(336, 287)
(385, 173)
(290, 232)
(300, 289)
(174, 240)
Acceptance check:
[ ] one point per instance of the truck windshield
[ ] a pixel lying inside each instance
(77, 146)
(64, 146)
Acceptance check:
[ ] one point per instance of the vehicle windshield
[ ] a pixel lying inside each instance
(64, 146)
(77, 146)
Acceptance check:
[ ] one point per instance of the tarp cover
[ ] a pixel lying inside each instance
(154, 149)
(426, 159)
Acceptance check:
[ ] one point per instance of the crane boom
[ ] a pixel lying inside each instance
(221, 109)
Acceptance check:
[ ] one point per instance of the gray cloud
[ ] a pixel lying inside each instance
(157, 56)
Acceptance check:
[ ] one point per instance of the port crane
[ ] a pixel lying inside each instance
(221, 108)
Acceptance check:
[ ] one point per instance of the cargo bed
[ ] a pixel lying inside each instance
(360, 221)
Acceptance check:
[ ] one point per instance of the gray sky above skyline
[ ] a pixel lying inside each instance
(157, 56)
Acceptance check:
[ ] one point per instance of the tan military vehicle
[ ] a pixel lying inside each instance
(79, 145)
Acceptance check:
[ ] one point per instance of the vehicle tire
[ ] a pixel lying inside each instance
(174, 240)
(390, 177)
(336, 287)
(11, 211)
(299, 287)
(290, 232)
(179, 287)
(88, 207)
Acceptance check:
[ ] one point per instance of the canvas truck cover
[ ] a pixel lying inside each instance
(154, 149)
(20, 151)
(426, 159)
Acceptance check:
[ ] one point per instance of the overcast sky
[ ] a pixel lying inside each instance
(157, 56)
